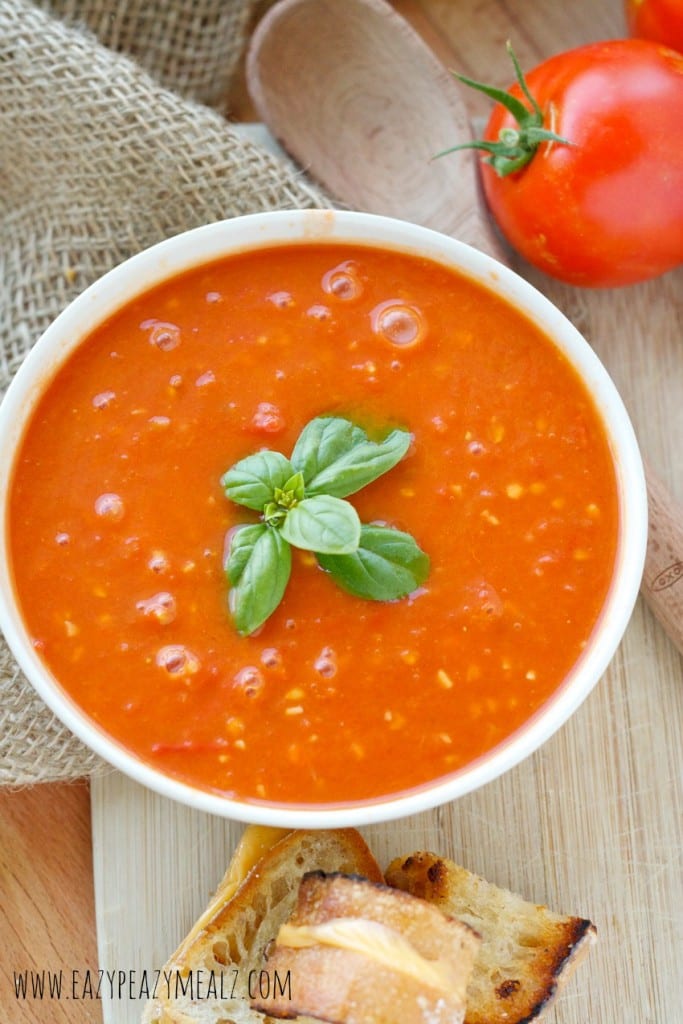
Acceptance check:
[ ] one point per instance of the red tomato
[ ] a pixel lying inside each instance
(607, 209)
(659, 20)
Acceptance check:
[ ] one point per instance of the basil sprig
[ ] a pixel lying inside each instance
(301, 504)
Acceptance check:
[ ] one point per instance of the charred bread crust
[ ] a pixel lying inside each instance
(527, 953)
(579, 935)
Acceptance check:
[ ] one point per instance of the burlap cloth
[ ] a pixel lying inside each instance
(108, 144)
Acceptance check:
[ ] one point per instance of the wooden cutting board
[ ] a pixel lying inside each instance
(593, 822)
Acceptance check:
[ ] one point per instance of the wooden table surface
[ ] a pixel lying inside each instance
(605, 837)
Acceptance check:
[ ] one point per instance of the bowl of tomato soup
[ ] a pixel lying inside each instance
(226, 383)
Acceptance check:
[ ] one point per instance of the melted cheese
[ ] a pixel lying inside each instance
(373, 940)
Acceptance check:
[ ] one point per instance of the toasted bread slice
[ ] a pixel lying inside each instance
(361, 953)
(207, 980)
(527, 952)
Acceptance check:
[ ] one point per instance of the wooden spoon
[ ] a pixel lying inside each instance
(361, 102)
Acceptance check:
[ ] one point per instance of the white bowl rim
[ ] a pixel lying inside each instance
(204, 244)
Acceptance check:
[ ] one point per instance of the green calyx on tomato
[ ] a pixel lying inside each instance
(515, 146)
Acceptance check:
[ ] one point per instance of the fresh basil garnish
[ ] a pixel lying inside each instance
(301, 504)
(359, 465)
(254, 480)
(284, 499)
(259, 564)
(386, 565)
(323, 524)
(241, 546)
(322, 441)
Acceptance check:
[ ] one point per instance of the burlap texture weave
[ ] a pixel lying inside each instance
(105, 148)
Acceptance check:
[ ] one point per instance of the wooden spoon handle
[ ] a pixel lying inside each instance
(662, 585)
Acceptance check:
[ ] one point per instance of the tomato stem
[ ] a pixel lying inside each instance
(515, 146)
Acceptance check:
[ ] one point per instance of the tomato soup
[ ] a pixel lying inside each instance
(118, 524)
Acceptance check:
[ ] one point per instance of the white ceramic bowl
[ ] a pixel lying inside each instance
(214, 241)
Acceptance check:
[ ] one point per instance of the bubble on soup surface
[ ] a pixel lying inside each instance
(343, 281)
(268, 418)
(164, 336)
(397, 323)
(110, 506)
(103, 399)
(477, 448)
(326, 663)
(482, 602)
(249, 680)
(318, 312)
(271, 657)
(282, 300)
(158, 562)
(177, 660)
(161, 606)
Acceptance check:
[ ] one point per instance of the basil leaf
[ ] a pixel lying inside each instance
(241, 546)
(359, 466)
(323, 441)
(260, 562)
(252, 481)
(322, 524)
(387, 565)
